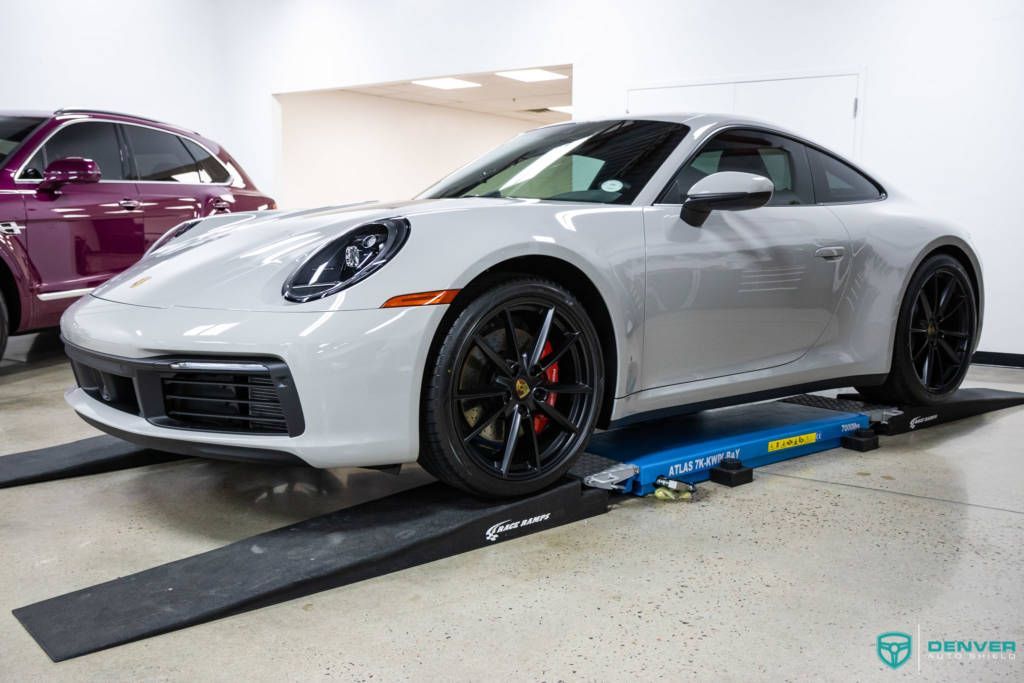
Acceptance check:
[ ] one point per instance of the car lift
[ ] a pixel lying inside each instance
(433, 521)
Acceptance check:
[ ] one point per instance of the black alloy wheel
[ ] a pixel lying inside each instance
(515, 391)
(941, 330)
(935, 336)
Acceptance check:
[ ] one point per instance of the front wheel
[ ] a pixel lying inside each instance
(513, 393)
(935, 336)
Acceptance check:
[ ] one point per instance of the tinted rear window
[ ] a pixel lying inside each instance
(836, 182)
(160, 156)
(210, 169)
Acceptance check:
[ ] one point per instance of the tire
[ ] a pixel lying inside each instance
(496, 421)
(5, 322)
(935, 335)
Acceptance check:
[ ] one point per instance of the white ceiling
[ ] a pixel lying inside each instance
(496, 95)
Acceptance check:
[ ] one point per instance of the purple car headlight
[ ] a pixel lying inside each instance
(347, 260)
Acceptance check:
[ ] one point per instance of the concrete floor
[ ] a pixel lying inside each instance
(791, 578)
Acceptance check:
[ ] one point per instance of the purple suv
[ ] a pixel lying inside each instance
(84, 193)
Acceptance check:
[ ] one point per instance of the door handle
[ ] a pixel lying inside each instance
(220, 205)
(130, 204)
(830, 253)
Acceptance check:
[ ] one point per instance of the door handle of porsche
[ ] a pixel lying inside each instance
(830, 253)
(220, 205)
(130, 204)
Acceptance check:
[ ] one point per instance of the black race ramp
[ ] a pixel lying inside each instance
(75, 459)
(375, 538)
(964, 403)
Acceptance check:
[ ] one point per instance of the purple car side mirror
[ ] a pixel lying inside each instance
(69, 170)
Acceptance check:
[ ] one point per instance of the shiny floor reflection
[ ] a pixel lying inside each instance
(228, 500)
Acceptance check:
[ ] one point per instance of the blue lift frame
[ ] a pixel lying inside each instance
(684, 449)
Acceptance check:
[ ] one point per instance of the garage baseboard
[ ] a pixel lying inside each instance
(1009, 360)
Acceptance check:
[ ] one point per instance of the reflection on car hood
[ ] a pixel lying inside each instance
(241, 261)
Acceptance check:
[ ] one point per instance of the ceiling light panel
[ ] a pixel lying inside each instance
(531, 75)
(447, 83)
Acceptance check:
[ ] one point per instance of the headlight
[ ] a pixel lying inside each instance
(347, 260)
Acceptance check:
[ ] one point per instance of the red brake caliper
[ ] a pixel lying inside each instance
(551, 374)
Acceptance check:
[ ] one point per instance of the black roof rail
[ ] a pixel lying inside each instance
(86, 110)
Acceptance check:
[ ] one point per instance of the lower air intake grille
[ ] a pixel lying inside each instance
(224, 402)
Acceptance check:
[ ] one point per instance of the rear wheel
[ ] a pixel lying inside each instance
(514, 391)
(934, 336)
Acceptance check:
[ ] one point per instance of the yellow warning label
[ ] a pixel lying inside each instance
(792, 441)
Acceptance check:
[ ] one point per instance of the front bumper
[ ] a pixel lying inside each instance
(355, 376)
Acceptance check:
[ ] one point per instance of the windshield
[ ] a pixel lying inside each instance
(14, 129)
(607, 162)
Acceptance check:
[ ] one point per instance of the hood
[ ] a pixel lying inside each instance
(241, 261)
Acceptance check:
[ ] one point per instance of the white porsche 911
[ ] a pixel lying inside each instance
(581, 275)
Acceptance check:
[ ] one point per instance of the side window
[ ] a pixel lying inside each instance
(160, 156)
(781, 160)
(97, 141)
(835, 181)
(210, 169)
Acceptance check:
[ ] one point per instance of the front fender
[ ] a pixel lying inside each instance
(604, 243)
(14, 258)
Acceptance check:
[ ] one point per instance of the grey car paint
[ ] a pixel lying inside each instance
(746, 304)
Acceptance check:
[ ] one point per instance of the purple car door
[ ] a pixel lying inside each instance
(177, 179)
(80, 234)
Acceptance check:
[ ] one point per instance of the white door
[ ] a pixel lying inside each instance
(749, 289)
(819, 108)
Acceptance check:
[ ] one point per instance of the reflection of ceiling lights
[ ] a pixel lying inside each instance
(531, 75)
(567, 109)
(447, 83)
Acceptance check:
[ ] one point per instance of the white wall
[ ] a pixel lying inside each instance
(324, 133)
(942, 101)
(158, 59)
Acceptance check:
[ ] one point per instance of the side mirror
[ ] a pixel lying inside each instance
(69, 170)
(725, 191)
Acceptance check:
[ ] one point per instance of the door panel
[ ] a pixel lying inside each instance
(744, 292)
(83, 235)
(165, 205)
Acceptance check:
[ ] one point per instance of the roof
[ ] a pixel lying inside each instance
(695, 120)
